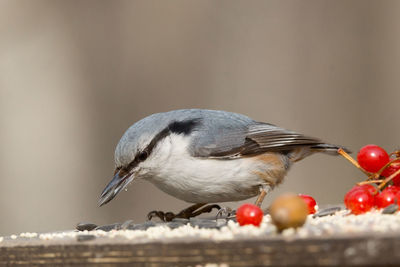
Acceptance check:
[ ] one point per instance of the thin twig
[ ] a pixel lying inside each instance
(395, 153)
(370, 182)
(387, 165)
(389, 179)
(352, 161)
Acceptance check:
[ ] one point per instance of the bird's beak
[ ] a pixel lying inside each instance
(114, 187)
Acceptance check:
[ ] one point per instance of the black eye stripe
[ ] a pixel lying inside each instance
(177, 127)
(183, 127)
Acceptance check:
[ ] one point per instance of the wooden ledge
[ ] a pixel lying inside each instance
(374, 250)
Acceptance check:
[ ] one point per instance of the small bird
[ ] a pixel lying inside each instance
(207, 156)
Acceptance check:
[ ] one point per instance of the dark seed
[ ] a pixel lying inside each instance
(180, 220)
(392, 208)
(221, 222)
(327, 211)
(126, 224)
(109, 227)
(85, 226)
(174, 225)
(81, 238)
(204, 223)
(136, 227)
(145, 226)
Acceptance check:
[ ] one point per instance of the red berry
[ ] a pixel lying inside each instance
(310, 201)
(372, 158)
(392, 168)
(365, 187)
(360, 199)
(249, 214)
(387, 196)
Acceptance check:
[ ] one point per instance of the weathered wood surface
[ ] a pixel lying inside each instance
(341, 251)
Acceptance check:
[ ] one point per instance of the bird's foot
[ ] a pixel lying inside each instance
(164, 216)
(190, 212)
(225, 212)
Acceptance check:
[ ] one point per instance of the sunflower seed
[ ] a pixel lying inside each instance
(85, 226)
(81, 238)
(327, 211)
(392, 208)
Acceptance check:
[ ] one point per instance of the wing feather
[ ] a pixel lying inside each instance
(256, 138)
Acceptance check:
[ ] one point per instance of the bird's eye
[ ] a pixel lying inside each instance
(142, 155)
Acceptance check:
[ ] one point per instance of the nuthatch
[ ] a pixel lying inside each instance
(208, 156)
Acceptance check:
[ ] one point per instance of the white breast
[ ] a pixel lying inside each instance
(202, 180)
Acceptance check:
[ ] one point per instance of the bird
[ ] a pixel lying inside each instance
(206, 156)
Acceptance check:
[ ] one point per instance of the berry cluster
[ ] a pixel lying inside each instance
(382, 187)
(379, 190)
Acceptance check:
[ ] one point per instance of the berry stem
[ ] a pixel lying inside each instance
(352, 161)
(387, 164)
(370, 182)
(395, 153)
(389, 179)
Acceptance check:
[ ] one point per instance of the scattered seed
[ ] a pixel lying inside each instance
(392, 208)
(180, 220)
(109, 227)
(204, 223)
(145, 225)
(81, 238)
(85, 226)
(126, 224)
(174, 225)
(222, 222)
(327, 211)
(339, 223)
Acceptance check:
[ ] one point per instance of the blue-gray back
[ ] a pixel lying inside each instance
(213, 134)
(214, 125)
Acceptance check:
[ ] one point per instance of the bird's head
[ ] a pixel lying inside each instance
(138, 150)
(123, 175)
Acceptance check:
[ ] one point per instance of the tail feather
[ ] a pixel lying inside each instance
(328, 149)
(302, 152)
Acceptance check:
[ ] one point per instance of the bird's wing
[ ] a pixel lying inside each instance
(239, 139)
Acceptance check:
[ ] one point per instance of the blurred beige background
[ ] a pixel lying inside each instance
(74, 75)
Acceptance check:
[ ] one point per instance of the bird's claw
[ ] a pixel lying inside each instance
(192, 211)
(164, 216)
(225, 211)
